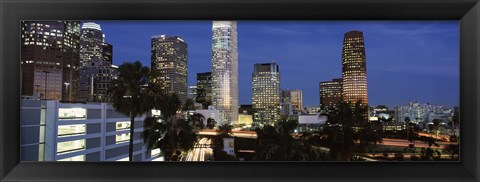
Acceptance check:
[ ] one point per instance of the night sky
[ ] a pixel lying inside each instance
(406, 60)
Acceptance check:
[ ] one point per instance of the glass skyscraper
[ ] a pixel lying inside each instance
(266, 94)
(170, 58)
(354, 68)
(225, 70)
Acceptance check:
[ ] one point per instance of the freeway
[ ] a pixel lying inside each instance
(199, 153)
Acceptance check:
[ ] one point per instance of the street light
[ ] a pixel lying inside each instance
(46, 75)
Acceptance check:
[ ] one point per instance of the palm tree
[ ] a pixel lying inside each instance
(170, 132)
(132, 92)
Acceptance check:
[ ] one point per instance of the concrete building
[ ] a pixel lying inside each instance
(50, 59)
(169, 55)
(95, 79)
(92, 44)
(55, 131)
(211, 112)
(225, 69)
(266, 94)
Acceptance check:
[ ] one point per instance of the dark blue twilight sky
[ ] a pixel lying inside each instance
(406, 60)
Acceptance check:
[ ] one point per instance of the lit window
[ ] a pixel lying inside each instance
(120, 138)
(70, 146)
(122, 125)
(71, 113)
(69, 130)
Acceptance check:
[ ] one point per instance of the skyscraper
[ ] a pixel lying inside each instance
(330, 94)
(169, 56)
(91, 43)
(225, 70)
(354, 68)
(204, 89)
(50, 59)
(266, 93)
(96, 69)
(294, 97)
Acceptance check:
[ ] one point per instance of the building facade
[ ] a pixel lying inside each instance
(331, 94)
(55, 131)
(204, 89)
(423, 114)
(192, 92)
(266, 94)
(225, 69)
(295, 98)
(354, 68)
(50, 59)
(107, 53)
(95, 79)
(169, 57)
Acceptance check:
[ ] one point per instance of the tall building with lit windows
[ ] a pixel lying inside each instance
(91, 43)
(266, 93)
(225, 70)
(169, 56)
(96, 69)
(354, 68)
(50, 59)
(330, 94)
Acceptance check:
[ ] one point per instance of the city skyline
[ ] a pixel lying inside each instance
(319, 43)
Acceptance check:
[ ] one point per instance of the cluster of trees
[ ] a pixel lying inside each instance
(345, 126)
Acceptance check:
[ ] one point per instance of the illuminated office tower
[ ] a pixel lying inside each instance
(330, 94)
(50, 59)
(225, 70)
(294, 97)
(169, 57)
(204, 89)
(354, 68)
(91, 43)
(266, 94)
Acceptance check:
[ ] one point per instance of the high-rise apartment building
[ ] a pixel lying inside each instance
(50, 59)
(294, 97)
(266, 94)
(204, 89)
(330, 94)
(225, 69)
(354, 68)
(169, 57)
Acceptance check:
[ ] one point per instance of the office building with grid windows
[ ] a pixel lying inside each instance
(266, 94)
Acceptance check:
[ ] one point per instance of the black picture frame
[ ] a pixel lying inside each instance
(13, 11)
